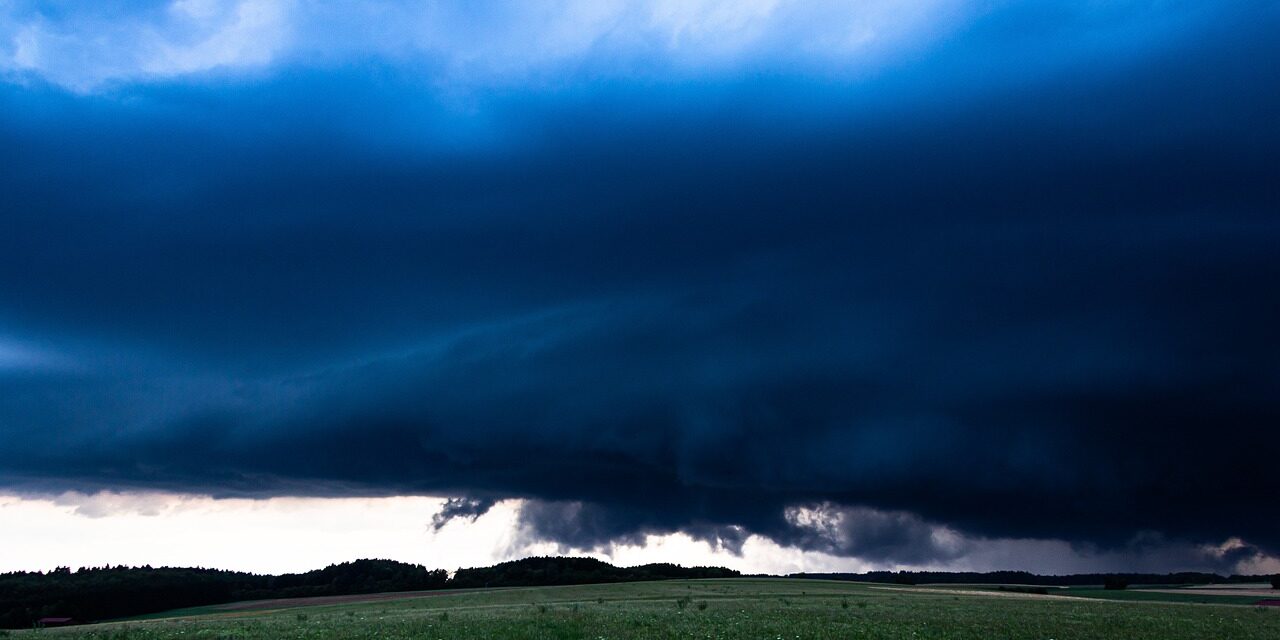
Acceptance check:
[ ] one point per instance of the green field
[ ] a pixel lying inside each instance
(707, 609)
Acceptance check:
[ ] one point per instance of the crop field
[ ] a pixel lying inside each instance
(704, 609)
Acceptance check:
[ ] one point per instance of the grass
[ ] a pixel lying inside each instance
(708, 609)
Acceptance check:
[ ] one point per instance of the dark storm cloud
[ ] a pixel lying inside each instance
(579, 525)
(461, 509)
(867, 533)
(1022, 301)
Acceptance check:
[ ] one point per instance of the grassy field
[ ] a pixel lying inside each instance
(707, 609)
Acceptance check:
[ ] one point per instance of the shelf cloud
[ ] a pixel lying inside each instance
(875, 282)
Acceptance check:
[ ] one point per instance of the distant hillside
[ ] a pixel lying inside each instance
(116, 592)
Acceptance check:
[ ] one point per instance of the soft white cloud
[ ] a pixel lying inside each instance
(243, 34)
(87, 47)
(110, 503)
(1247, 558)
(758, 555)
(723, 24)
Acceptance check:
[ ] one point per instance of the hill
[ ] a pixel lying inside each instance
(116, 592)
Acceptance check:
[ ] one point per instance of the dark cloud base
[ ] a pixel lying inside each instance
(1041, 305)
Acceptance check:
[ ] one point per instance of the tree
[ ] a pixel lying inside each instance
(1115, 583)
(1275, 581)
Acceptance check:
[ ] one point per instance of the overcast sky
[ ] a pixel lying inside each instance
(778, 285)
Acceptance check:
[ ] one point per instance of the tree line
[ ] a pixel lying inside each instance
(545, 571)
(103, 593)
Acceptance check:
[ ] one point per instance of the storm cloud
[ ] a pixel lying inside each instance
(1018, 282)
(460, 508)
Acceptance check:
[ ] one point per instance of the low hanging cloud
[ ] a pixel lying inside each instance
(104, 504)
(897, 538)
(465, 509)
(826, 536)
(577, 525)
(887, 536)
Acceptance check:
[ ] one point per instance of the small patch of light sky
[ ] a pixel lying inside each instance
(16, 355)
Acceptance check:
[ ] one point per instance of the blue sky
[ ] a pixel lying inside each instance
(892, 283)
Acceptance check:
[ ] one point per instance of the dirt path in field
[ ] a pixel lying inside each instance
(1050, 596)
(289, 603)
(1214, 591)
(978, 592)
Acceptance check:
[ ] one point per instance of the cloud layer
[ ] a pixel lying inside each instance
(546, 43)
(1015, 283)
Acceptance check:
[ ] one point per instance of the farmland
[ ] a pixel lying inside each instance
(731, 608)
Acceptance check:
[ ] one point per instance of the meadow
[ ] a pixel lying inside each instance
(775, 609)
